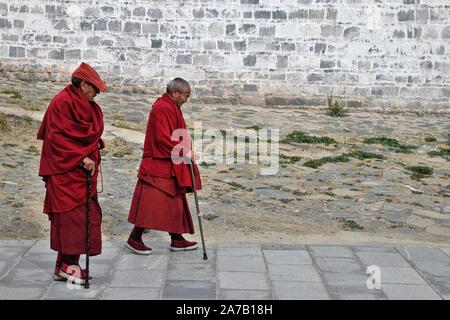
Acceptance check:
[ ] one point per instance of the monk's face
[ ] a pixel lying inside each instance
(182, 96)
(89, 91)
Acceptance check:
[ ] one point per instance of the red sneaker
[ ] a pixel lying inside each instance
(183, 245)
(138, 247)
(57, 277)
(72, 273)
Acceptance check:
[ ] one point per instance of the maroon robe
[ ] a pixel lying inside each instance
(159, 201)
(71, 130)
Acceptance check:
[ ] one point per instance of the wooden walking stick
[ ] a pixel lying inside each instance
(88, 223)
(191, 166)
(88, 227)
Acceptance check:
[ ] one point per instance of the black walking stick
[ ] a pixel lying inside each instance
(191, 166)
(88, 225)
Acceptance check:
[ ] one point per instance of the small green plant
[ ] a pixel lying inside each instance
(390, 142)
(430, 139)
(444, 153)
(301, 137)
(4, 124)
(419, 172)
(255, 127)
(210, 216)
(336, 110)
(365, 155)
(14, 94)
(319, 162)
(350, 225)
(289, 159)
(236, 186)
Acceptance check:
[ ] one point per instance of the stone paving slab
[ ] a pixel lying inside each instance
(232, 272)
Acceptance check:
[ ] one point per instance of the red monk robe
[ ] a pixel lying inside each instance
(159, 200)
(71, 130)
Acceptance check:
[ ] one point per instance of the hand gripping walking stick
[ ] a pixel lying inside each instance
(88, 224)
(191, 166)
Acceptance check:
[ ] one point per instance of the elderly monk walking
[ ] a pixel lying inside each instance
(71, 132)
(159, 200)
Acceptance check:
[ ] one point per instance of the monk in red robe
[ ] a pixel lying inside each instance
(159, 200)
(71, 132)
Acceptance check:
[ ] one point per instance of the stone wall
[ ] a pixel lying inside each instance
(374, 53)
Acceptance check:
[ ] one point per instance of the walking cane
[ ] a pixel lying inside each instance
(191, 166)
(88, 224)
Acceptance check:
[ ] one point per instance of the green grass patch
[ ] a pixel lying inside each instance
(390, 142)
(444, 153)
(336, 110)
(255, 127)
(14, 94)
(430, 139)
(319, 162)
(419, 172)
(350, 225)
(362, 155)
(210, 216)
(289, 159)
(4, 124)
(236, 186)
(301, 137)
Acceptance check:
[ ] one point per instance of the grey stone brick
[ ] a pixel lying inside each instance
(184, 59)
(250, 88)
(151, 28)
(224, 45)
(43, 38)
(245, 295)
(399, 34)
(287, 46)
(107, 43)
(92, 12)
(50, 9)
(155, 13)
(201, 60)
(331, 251)
(93, 41)
(249, 1)
(406, 15)
(250, 61)
(331, 31)
(231, 30)
(107, 10)
(240, 45)
(299, 14)
(5, 23)
(61, 25)
(209, 44)
(279, 14)
(132, 27)
(316, 14)
(115, 25)
(410, 292)
(211, 13)
(56, 54)
(351, 33)
(85, 26)
(314, 77)
(446, 33)
(267, 31)
(100, 25)
(59, 39)
(198, 13)
(331, 14)
(17, 52)
(19, 24)
(248, 28)
(259, 14)
(73, 54)
(156, 43)
(139, 12)
(131, 294)
(282, 62)
(326, 64)
(248, 15)
(291, 272)
(320, 47)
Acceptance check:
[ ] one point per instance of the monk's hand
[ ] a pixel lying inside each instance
(88, 164)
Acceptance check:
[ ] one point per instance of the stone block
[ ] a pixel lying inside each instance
(17, 52)
(245, 295)
(189, 290)
(410, 292)
(287, 257)
(300, 291)
(243, 281)
(304, 272)
(131, 294)
(241, 264)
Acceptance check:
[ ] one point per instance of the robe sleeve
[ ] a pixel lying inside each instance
(163, 134)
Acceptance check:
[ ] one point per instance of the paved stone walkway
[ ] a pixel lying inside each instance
(233, 271)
